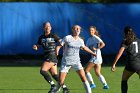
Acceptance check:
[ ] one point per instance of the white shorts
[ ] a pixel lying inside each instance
(96, 60)
(65, 68)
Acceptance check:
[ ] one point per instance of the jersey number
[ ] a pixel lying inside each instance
(136, 46)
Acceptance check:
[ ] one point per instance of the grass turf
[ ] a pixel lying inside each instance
(28, 80)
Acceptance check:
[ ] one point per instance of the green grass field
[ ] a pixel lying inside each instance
(28, 80)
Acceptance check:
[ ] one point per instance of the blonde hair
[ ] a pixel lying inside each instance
(96, 32)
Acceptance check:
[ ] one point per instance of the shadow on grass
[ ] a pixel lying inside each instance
(35, 60)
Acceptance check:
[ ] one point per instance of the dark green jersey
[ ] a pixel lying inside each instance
(133, 50)
(48, 42)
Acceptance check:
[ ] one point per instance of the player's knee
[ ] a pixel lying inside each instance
(138, 72)
(44, 73)
(86, 71)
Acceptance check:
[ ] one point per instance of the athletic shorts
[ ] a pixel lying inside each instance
(96, 60)
(133, 67)
(65, 68)
(50, 58)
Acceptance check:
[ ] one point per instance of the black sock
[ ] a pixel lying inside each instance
(46, 76)
(124, 86)
(56, 77)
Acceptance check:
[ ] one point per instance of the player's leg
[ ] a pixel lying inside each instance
(44, 72)
(62, 78)
(86, 85)
(79, 69)
(125, 76)
(62, 75)
(54, 74)
(138, 69)
(97, 69)
(53, 71)
(88, 75)
(138, 72)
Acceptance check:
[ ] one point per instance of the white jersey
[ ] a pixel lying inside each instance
(71, 50)
(94, 41)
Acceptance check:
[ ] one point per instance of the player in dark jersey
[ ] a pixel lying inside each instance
(132, 46)
(48, 41)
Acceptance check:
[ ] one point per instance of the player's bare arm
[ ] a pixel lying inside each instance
(117, 58)
(88, 50)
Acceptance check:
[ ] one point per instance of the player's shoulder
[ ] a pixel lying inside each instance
(53, 34)
(41, 36)
(97, 37)
(80, 38)
(137, 39)
(68, 36)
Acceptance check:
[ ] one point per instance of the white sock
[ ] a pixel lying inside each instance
(64, 86)
(102, 79)
(52, 83)
(87, 87)
(89, 77)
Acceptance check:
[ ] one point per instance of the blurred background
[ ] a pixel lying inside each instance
(21, 25)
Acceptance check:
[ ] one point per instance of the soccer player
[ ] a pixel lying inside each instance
(132, 46)
(72, 44)
(95, 44)
(48, 41)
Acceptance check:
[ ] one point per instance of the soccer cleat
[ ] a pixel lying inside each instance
(52, 88)
(65, 90)
(92, 86)
(56, 89)
(106, 87)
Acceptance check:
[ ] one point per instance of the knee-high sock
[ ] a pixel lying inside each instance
(47, 77)
(56, 77)
(102, 79)
(89, 77)
(124, 86)
(87, 87)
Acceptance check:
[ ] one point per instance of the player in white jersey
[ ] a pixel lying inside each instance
(72, 44)
(95, 44)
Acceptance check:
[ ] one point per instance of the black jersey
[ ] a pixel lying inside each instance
(48, 42)
(133, 51)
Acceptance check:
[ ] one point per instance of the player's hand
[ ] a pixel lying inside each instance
(113, 68)
(35, 47)
(57, 53)
(94, 48)
(94, 54)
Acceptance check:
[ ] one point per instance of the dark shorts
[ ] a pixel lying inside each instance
(50, 58)
(133, 67)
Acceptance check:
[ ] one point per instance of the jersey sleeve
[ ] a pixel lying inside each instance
(63, 41)
(57, 38)
(39, 40)
(123, 44)
(99, 39)
(82, 43)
